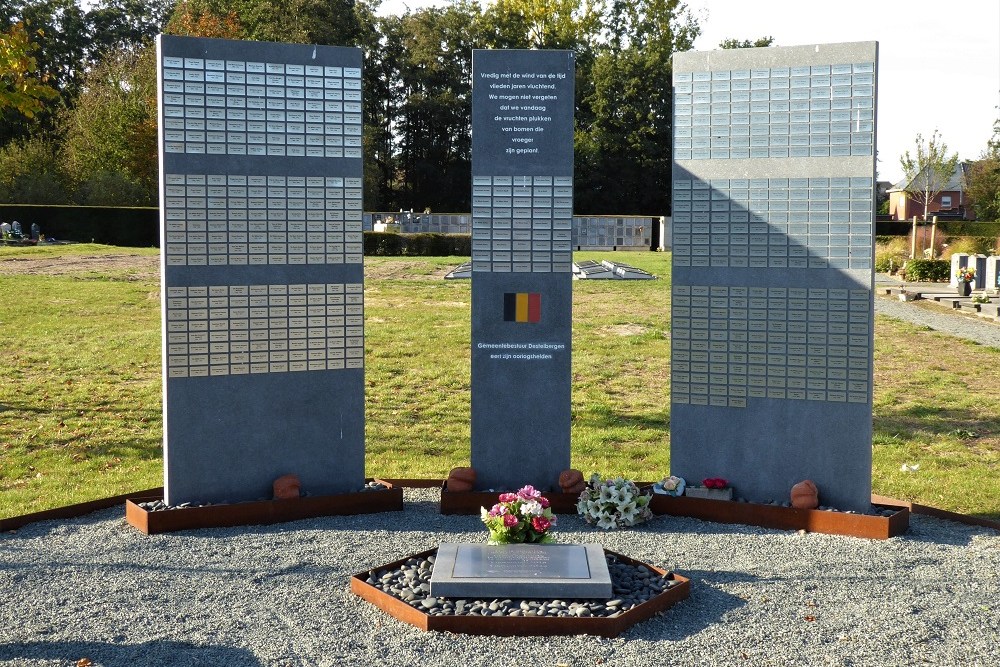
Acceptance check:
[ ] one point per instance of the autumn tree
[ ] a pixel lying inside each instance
(983, 186)
(22, 88)
(928, 169)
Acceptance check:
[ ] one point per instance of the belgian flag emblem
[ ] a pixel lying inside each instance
(522, 307)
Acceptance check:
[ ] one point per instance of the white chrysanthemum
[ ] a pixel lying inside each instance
(531, 508)
(606, 521)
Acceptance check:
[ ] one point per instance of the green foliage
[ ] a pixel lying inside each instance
(733, 43)
(624, 123)
(72, 36)
(983, 182)
(890, 253)
(389, 244)
(928, 170)
(971, 245)
(21, 88)
(110, 146)
(964, 228)
(928, 270)
(30, 173)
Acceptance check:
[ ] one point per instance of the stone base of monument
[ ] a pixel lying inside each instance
(895, 519)
(431, 616)
(470, 502)
(260, 512)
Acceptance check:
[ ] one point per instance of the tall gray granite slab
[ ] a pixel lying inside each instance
(772, 231)
(261, 272)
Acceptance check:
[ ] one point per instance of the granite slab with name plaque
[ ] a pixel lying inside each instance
(551, 571)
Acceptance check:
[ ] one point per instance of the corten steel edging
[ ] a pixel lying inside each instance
(926, 510)
(73, 511)
(470, 502)
(785, 518)
(413, 483)
(260, 512)
(511, 626)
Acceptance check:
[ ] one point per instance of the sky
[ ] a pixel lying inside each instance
(939, 62)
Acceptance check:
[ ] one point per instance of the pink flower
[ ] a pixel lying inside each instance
(508, 497)
(543, 501)
(528, 492)
(540, 524)
(498, 510)
(509, 520)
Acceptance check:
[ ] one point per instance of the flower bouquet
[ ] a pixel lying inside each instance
(613, 503)
(520, 517)
(966, 274)
(981, 297)
(713, 488)
(670, 486)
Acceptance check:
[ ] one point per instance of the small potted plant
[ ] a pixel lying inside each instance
(613, 503)
(965, 276)
(522, 517)
(712, 488)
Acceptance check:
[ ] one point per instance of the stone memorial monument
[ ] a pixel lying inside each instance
(551, 571)
(262, 276)
(772, 321)
(522, 217)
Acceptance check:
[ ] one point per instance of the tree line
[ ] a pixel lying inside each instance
(93, 139)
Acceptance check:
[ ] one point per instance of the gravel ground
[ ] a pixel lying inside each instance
(946, 321)
(95, 588)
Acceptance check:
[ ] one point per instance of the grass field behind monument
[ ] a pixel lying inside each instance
(80, 393)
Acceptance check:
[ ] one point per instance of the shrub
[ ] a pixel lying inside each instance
(390, 244)
(970, 245)
(928, 270)
(890, 253)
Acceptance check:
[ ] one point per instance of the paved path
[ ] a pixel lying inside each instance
(947, 321)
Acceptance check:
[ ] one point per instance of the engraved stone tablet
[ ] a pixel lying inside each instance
(521, 570)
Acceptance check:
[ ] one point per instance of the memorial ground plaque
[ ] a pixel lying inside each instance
(550, 571)
(772, 320)
(262, 276)
(522, 218)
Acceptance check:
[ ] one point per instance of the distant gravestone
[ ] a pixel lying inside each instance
(958, 261)
(550, 571)
(262, 275)
(772, 324)
(522, 218)
(992, 272)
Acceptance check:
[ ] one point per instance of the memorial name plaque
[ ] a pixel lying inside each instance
(522, 219)
(772, 310)
(551, 571)
(262, 281)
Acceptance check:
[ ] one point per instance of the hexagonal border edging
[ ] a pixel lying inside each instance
(262, 512)
(510, 626)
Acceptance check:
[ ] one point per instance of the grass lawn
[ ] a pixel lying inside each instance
(80, 382)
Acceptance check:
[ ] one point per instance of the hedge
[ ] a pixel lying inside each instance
(428, 245)
(949, 227)
(135, 227)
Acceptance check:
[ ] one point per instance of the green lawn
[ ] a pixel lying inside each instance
(80, 383)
